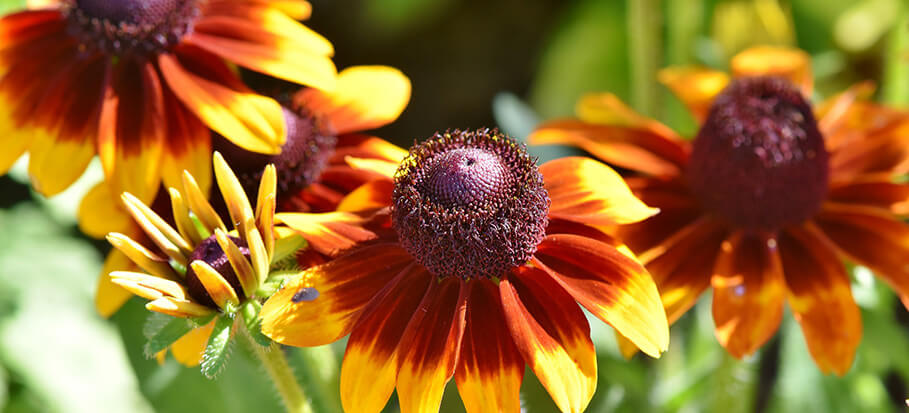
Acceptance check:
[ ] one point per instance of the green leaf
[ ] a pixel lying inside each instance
(167, 335)
(154, 324)
(285, 249)
(218, 350)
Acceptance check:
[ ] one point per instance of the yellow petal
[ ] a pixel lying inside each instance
(696, 87)
(178, 308)
(792, 64)
(141, 256)
(215, 285)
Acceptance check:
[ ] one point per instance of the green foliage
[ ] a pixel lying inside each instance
(167, 335)
(217, 352)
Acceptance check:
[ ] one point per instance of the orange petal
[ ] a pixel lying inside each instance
(188, 349)
(132, 130)
(328, 233)
(612, 286)
(369, 147)
(632, 148)
(429, 348)
(873, 190)
(54, 165)
(748, 293)
(586, 191)
(874, 141)
(100, 212)
(370, 367)
(366, 97)
(821, 298)
(552, 335)
(370, 196)
(696, 87)
(188, 146)
(253, 122)
(109, 297)
(329, 297)
(608, 109)
(490, 368)
(871, 237)
(792, 64)
(380, 167)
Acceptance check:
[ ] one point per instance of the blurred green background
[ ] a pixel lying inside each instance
(474, 63)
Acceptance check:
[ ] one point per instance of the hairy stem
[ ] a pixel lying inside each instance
(272, 358)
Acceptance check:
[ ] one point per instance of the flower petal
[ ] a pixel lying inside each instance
(328, 233)
(821, 298)
(586, 191)
(109, 297)
(370, 367)
(250, 121)
(188, 349)
(552, 335)
(628, 147)
(612, 286)
(490, 368)
(428, 352)
(871, 237)
(369, 196)
(696, 87)
(100, 212)
(792, 64)
(608, 109)
(188, 146)
(344, 286)
(366, 97)
(748, 293)
(873, 190)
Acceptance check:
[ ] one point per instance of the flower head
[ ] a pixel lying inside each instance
(474, 267)
(140, 83)
(766, 201)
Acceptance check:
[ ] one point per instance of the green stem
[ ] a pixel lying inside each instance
(895, 84)
(644, 35)
(320, 367)
(281, 375)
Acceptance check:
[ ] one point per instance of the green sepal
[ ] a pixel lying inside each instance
(250, 312)
(217, 352)
(154, 323)
(286, 248)
(166, 335)
(275, 281)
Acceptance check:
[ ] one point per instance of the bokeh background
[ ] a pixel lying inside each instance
(475, 63)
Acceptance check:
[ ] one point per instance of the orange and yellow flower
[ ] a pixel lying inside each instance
(200, 268)
(473, 267)
(766, 201)
(140, 83)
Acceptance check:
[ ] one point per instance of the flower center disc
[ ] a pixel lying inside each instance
(132, 26)
(759, 160)
(469, 204)
(210, 252)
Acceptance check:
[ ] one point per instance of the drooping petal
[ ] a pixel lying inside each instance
(586, 191)
(100, 212)
(490, 368)
(178, 308)
(636, 149)
(328, 233)
(696, 87)
(821, 298)
(367, 147)
(214, 95)
(677, 209)
(608, 109)
(380, 167)
(871, 237)
(263, 38)
(873, 190)
(370, 368)
(748, 293)
(188, 145)
(552, 335)
(428, 352)
(366, 97)
(790, 63)
(612, 286)
(188, 349)
(109, 297)
(341, 287)
(369, 196)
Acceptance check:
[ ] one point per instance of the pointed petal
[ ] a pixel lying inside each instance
(370, 367)
(198, 204)
(586, 191)
(109, 297)
(188, 349)
(366, 97)
(871, 237)
(382, 168)
(183, 219)
(178, 308)
(792, 64)
(748, 293)
(369, 147)
(100, 212)
(608, 109)
(234, 195)
(342, 288)
(633, 148)
(165, 287)
(253, 122)
(490, 368)
(369, 196)
(242, 268)
(328, 233)
(821, 298)
(141, 256)
(552, 335)
(696, 87)
(873, 190)
(428, 352)
(164, 236)
(215, 285)
(612, 286)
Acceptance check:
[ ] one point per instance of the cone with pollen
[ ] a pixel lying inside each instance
(766, 201)
(477, 264)
(200, 268)
(140, 83)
